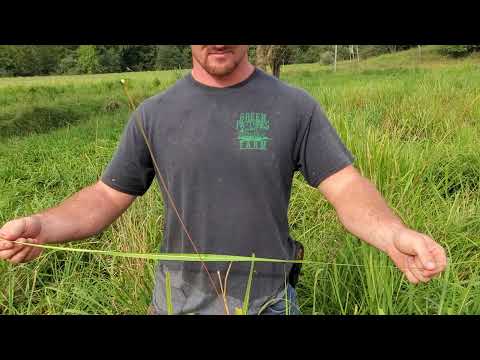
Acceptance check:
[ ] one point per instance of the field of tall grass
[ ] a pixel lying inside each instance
(412, 123)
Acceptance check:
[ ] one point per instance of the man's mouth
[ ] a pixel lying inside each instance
(219, 52)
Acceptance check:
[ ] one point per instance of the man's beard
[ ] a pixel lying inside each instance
(220, 70)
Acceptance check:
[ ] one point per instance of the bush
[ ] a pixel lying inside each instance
(137, 57)
(327, 57)
(68, 65)
(110, 59)
(172, 57)
(252, 54)
(88, 59)
(4, 73)
(457, 51)
(111, 105)
(156, 82)
(311, 55)
(304, 54)
(37, 119)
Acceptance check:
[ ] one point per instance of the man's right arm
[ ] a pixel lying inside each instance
(84, 214)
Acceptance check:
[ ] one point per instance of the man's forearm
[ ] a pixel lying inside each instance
(84, 214)
(365, 214)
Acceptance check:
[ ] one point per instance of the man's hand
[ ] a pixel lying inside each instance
(418, 256)
(26, 230)
(364, 213)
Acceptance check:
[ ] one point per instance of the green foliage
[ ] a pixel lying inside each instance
(305, 54)
(7, 61)
(327, 57)
(458, 50)
(29, 60)
(110, 59)
(252, 53)
(36, 119)
(172, 57)
(88, 59)
(68, 64)
(137, 57)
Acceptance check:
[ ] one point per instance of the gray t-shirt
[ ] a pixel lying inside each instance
(228, 156)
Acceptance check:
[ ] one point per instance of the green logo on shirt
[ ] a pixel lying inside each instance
(252, 128)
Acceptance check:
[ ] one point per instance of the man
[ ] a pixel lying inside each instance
(227, 140)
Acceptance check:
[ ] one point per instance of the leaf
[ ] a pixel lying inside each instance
(249, 286)
(169, 294)
(167, 257)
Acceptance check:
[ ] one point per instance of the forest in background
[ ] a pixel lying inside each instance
(33, 60)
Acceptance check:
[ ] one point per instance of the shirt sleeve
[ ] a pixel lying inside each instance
(321, 151)
(131, 169)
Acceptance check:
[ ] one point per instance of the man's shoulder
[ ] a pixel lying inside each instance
(290, 95)
(299, 96)
(172, 93)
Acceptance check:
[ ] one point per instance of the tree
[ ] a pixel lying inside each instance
(458, 50)
(88, 60)
(261, 60)
(273, 56)
(137, 57)
(335, 61)
(7, 62)
(172, 57)
(68, 64)
(278, 55)
(109, 57)
(48, 58)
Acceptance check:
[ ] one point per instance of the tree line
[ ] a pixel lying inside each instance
(31, 60)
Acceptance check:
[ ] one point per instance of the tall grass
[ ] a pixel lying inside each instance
(414, 132)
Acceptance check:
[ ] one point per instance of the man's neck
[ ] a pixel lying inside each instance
(241, 73)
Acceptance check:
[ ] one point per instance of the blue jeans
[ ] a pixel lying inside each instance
(280, 305)
(277, 307)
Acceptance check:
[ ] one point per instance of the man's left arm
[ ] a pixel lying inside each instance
(365, 214)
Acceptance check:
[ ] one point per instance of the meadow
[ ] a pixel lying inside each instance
(413, 125)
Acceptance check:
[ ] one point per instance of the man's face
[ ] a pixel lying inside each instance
(219, 60)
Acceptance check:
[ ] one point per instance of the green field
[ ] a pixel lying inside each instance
(413, 125)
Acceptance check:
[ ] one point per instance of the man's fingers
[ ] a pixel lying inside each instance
(6, 245)
(422, 274)
(14, 249)
(20, 253)
(12, 230)
(7, 254)
(416, 267)
(20, 256)
(431, 273)
(440, 260)
(440, 256)
(34, 253)
(423, 253)
(411, 277)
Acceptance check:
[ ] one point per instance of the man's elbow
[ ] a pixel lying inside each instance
(115, 200)
(340, 187)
